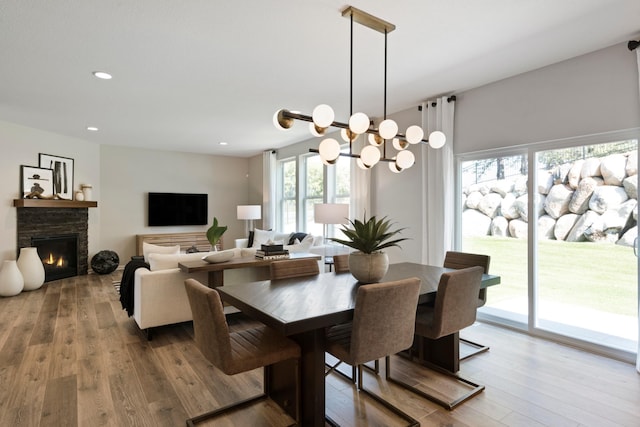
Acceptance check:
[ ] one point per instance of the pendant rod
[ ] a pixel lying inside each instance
(351, 82)
(384, 142)
(354, 156)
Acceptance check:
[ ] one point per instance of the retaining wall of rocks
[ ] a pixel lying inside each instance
(589, 200)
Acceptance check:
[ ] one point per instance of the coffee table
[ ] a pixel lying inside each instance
(216, 270)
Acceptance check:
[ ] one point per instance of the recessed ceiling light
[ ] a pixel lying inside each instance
(102, 75)
(224, 143)
(92, 128)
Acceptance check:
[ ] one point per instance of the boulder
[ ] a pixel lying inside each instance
(616, 218)
(520, 185)
(630, 185)
(606, 197)
(545, 181)
(631, 167)
(564, 224)
(473, 199)
(590, 167)
(580, 200)
(612, 169)
(546, 224)
(573, 177)
(629, 237)
(557, 202)
(480, 188)
(589, 220)
(518, 229)
(502, 187)
(490, 204)
(508, 208)
(500, 227)
(561, 172)
(521, 204)
(475, 223)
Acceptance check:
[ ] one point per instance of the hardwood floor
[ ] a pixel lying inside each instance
(70, 356)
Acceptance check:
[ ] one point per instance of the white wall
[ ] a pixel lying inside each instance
(21, 146)
(128, 174)
(589, 94)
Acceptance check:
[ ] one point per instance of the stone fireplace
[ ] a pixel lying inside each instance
(61, 236)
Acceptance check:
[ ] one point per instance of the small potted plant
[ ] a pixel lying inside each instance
(369, 237)
(215, 232)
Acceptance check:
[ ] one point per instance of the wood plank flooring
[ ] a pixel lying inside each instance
(70, 356)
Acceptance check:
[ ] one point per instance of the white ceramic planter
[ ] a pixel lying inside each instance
(31, 267)
(368, 268)
(11, 282)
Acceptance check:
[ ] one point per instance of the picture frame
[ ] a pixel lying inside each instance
(62, 174)
(36, 183)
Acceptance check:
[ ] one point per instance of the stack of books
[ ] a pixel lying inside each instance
(272, 252)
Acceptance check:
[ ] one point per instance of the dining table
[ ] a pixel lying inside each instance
(303, 307)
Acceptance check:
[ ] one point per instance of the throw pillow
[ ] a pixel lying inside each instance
(220, 256)
(167, 261)
(296, 236)
(261, 237)
(148, 248)
(250, 243)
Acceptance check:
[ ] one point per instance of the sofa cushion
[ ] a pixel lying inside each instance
(302, 246)
(261, 237)
(168, 261)
(296, 236)
(148, 248)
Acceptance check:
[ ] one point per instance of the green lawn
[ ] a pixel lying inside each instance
(601, 276)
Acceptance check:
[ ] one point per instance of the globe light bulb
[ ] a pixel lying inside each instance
(414, 134)
(323, 116)
(315, 130)
(388, 129)
(394, 168)
(375, 139)
(280, 122)
(359, 123)
(370, 155)
(361, 165)
(329, 150)
(347, 135)
(400, 144)
(437, 139)
(405, 159)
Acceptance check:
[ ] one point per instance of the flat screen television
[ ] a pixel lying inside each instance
(177, 209)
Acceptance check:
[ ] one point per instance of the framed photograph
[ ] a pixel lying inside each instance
(37, 183)
(62, 174)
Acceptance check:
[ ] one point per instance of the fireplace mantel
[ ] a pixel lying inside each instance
(47, 203)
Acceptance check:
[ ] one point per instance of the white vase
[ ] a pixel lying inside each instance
(31, 267)
(11, 282)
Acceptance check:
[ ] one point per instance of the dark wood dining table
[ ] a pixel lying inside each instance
(302, 308)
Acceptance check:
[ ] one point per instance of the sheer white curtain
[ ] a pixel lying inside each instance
(360, 192)
(269, 190)
(437, 182)
(638, 259)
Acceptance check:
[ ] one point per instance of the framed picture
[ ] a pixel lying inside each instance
(37, 183)
(62, 174)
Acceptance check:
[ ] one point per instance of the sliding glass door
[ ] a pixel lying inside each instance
(560, 226)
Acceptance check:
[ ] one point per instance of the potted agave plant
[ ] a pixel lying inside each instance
(369, 237)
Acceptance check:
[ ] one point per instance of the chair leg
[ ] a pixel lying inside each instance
(479, 348)
(475, 388)
(412, 421)
(191, 422)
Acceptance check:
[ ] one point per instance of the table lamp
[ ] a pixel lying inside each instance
(249, 213)
(330, 213)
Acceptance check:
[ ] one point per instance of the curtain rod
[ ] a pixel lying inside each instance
(632, 45)
(452, 98)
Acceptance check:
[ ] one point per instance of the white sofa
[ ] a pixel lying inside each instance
(310, 243)
(159, 294)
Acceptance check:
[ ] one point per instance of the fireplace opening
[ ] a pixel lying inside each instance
(59, 255)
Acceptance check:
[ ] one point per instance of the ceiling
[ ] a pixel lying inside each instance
(189, 75)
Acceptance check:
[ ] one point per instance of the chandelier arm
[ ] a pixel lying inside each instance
(354, 156)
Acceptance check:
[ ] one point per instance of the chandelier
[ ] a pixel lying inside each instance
(323, 118)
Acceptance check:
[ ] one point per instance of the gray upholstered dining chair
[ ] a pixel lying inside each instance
(235, 352)
(341, 263)
(460, 260)
(288, 268)
(383, 324)
(455, 308)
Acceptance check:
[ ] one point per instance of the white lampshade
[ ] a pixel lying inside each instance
(249, 211)
(405, 159)
(329, 150)
(359, 123)
(414, 134)
(388, 129)
(331, 213)
(437, 139)
(370, 155)
(323, 115)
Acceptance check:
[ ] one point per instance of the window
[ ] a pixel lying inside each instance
(313, 191)
(288, 190)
